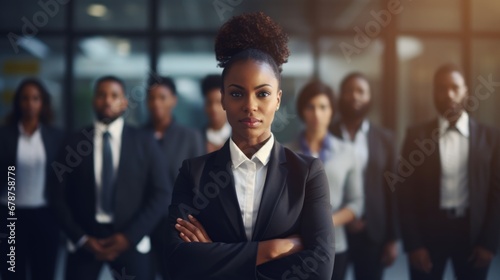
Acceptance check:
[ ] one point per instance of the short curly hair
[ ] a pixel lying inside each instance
(251, 36)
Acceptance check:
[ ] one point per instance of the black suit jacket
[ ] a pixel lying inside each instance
(52, 139)
(295, 200)
(419, 191)
(142, 190)
(380, 201)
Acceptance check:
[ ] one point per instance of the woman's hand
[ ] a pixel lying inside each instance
(278, 248)
(192, 230)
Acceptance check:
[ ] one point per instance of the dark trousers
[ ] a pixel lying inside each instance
(340, 266)
(451, 241)
(365, 255)
(36, 244)
(82, 265)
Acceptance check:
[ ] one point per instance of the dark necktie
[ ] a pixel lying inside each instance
(107, 174)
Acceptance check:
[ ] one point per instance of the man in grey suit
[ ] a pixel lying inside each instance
(176, 142)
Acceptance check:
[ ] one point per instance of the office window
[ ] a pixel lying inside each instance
(418, 59)
(484, 90)
(32, 17)
(429, 15)
(346, 14)
(111, 14)
(485, 15)
(335, 62)
(123, 57)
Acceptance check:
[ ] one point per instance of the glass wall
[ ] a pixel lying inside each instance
(397, 44)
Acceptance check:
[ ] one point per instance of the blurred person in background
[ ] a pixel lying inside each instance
(372, 238)
(177, 143)
(110, 189)
(449, 187)
(218, 129)
(29, 144)
(316, 108)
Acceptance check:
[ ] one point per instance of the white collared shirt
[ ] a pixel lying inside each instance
(454, 153)
(219, 137)
(249, 179)
(360, 143)
(115, 129)
(31, 161)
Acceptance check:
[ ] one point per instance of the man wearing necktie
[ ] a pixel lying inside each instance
(109, 190)
(450, 202)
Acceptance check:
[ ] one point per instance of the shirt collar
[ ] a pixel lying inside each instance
(365, 127)
(263, 154)
(25, 134)
(462, 124)
(115, 128)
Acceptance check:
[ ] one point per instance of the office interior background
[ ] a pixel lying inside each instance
(397, 44)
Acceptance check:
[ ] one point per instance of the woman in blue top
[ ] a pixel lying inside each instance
(315, 106)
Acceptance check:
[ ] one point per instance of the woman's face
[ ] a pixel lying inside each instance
(318, 113)
(31, 102)
(250, 97)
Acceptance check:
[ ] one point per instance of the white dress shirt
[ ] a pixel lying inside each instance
(360, 143)
(31, 161)
(115, 130)
(249, 178)
(454, 153)
(219, 137)
(344, 180)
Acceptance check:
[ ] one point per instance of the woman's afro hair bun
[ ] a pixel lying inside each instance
(251, 31)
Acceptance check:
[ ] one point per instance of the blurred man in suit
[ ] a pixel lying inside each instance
(177, 143)
(372, 239)
(110, 190)
(449, 197)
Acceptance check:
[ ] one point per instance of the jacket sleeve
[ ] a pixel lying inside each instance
(490, 233)
(215, 260)
(389, 192)
(158, 198)
(405, 192)
(316, 231)
(57, 185)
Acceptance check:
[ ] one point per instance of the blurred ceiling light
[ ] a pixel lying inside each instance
(409, 47)
(34, 46)
(97, 10)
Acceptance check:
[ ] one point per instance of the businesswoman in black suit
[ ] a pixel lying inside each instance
(253, 209)
(29, 144)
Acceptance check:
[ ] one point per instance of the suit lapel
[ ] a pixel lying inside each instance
(11, 145)
(273, 188)
(373, 154)
(473, 153)
(124, 167)
(434, 163)
(227, 196)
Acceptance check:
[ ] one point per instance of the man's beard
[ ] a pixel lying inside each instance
(348, 113)
(107, 120)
